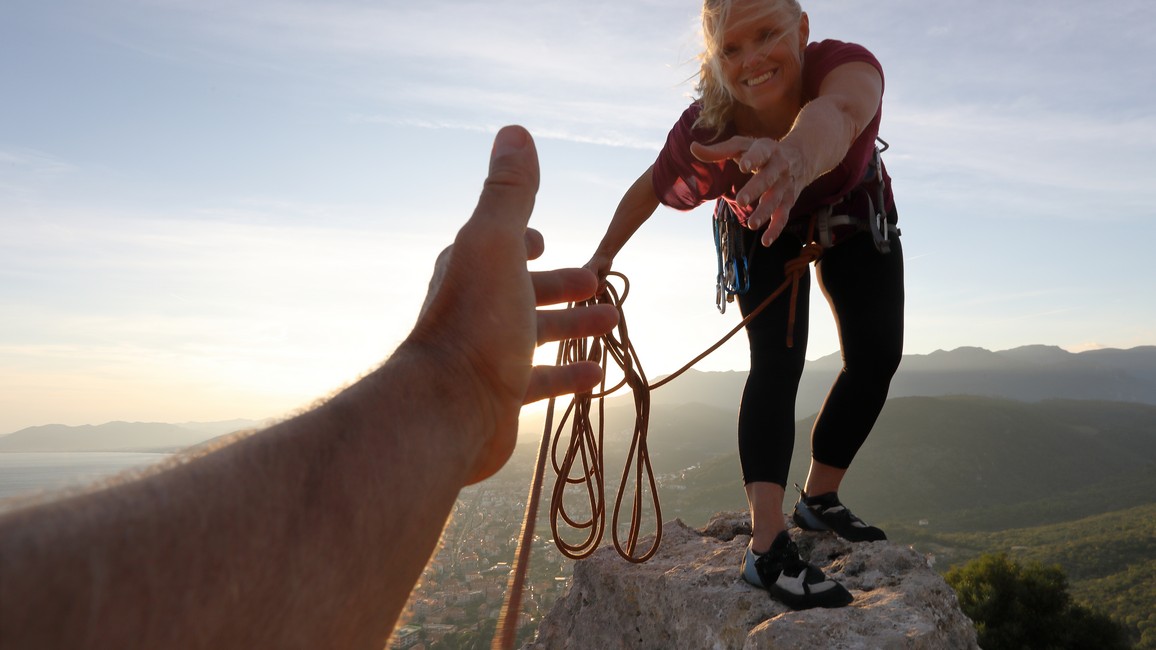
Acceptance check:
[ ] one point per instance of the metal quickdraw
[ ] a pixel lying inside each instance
(734, 277)
(880, 229)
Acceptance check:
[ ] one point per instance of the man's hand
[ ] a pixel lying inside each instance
(313, 532)
(481, 318)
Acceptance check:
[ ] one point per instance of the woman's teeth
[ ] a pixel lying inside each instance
(754, 81)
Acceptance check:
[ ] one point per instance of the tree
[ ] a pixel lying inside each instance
(1016, 607)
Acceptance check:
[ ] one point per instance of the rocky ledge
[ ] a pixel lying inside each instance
(690, 595)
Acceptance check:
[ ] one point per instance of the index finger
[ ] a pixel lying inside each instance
(563, 285)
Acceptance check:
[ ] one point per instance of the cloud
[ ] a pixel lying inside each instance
(563, 121)
(252, 308)
(593, 75)
(32, 161)
(606, 42)
(26, 172)
(1014, 110)
(1038, 158)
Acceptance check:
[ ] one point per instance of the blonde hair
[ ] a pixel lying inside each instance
(716, 99)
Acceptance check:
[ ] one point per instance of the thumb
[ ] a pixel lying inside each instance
(508, 195)
(719, 151)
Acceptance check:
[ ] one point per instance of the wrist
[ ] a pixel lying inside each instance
(421, 402)
(798, 164)
(606, 252)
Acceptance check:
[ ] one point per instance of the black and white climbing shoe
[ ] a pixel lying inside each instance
(790, 580)
(825, 512)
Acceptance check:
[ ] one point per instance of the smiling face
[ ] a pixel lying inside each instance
(757, 52)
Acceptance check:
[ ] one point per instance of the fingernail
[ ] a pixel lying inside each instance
(510, 139)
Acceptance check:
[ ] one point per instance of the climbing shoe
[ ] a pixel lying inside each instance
(825, 512)
(790, 580)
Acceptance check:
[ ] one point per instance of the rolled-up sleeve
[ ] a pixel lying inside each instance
(682, 181)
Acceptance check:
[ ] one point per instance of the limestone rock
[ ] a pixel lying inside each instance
(690, 595)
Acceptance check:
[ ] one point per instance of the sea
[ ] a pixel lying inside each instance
(34, 474)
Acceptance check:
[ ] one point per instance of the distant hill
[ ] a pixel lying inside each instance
(955, 462)
(117, 436)
(1033, 373)
(1029, 374)
(967, 463)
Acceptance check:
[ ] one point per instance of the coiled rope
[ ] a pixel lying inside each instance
(584, 449)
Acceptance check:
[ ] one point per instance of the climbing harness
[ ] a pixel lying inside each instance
(829, 222)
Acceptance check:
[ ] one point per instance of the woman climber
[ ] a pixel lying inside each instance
(783, 134)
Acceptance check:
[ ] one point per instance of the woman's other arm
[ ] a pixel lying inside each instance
(634, 209)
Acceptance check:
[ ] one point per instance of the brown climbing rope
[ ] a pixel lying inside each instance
(584, 450)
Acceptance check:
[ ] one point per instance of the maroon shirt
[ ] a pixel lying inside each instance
(684, 182)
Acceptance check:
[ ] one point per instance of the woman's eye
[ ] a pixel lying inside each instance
(729, 51)
(769, 34)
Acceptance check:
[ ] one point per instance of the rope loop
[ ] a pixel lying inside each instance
(582, 427)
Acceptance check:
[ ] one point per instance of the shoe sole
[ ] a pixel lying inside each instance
(837, 598)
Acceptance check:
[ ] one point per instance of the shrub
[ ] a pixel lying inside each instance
(1016, 607)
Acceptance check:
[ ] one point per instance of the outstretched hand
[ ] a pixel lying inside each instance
(775, 184)
(359, 486)
(480, 317)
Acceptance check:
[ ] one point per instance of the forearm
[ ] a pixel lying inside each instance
(636, 206)
(308, 534)
(829, 124)
(823, 133)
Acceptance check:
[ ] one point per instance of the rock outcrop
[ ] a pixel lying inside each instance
(690, 596)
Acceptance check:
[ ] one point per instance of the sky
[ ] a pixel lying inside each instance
(213, 209)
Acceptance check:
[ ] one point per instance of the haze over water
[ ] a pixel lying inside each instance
(31, 473)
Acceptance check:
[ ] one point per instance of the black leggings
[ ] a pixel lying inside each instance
(865, 291)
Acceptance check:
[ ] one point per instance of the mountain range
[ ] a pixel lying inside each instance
(1030, 374)
(710, 400)
(118, 436)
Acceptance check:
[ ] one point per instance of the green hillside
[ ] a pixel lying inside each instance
(956, 463)
(967, 463)
(1110, 559)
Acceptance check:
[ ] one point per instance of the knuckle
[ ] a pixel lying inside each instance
(507, 178)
